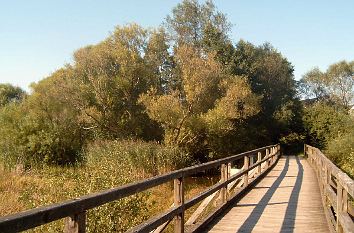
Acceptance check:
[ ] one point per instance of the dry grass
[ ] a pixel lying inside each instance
(104, 169)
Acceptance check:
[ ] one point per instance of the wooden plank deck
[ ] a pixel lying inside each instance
(287, 200)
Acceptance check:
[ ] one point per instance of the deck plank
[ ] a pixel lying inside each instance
(286, 200)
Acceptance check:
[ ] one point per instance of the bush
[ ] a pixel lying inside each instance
(341, 151)
(150, 158)
(292, 143)
(42, 129)
(324, 122)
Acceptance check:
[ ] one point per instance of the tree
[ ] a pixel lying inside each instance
(314, 84)
(160, 61)
(336, 85)
(205, 106)
(10, 93)
(43, 128)
(271, 77)
(324, 122)
(110, 77)
(341, 82)
(195, 24)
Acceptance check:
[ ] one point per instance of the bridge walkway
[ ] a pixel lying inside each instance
(288, 199)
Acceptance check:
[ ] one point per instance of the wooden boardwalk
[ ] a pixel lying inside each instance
(288, 199)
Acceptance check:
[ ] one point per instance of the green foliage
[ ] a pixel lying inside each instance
(150, 158)
(197, 24)
(105, 168)
(341, 82)
(108, 79)
(204, 95)
(292, 143)
(11, 121)
(271, 77)
(41, 129)
(341, 151)
(205, 106)
(324, 123)
(332, 130)
(10, 94)
(336, 85)
(327, 121)
(314, 84)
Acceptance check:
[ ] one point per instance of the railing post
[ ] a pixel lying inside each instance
(246, 166)
(339, 206)
(75, 223)
(179, 201)
(260, 165)
(274, 152)
(228, 171)
(266, 162)
(305, 150)
(224, 177)
(273, 155)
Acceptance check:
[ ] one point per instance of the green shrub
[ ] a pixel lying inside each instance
(341, 151)
(292, 143)
(40, 130)
(148, 157)
(323, 122)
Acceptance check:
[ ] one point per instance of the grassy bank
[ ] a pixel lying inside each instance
(108, 164)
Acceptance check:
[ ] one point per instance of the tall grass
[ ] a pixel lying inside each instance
(108, 164)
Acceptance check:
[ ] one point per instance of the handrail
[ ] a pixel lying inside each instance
(75, 209)
(335, 187)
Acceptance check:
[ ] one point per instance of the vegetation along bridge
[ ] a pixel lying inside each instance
(271, 193)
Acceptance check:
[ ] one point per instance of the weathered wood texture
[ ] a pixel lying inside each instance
(336, 187)
(75, 209)
(286, 200)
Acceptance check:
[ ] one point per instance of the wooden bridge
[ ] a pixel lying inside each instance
(270, 193)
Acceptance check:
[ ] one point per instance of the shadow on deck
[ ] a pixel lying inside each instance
(273, 204)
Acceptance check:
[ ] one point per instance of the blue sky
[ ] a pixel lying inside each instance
(39, 36)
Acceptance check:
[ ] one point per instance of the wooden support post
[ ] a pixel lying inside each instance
(339, 206)
(325, 179)
(260, 165)
(224, 178)
(329, 175)
(345, 201)
(228, 171)
(75, 223)
(179, 201)
(245, 166)
(272, 154)
(266, 162)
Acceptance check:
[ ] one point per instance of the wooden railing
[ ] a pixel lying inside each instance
(75, 210)
(337, 190)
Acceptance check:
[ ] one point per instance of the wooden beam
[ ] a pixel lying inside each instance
(223, 191)
(260, 165)
(179, 201)
(76, 223)
(246, 166)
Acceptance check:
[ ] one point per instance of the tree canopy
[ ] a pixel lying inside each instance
(185, 84)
